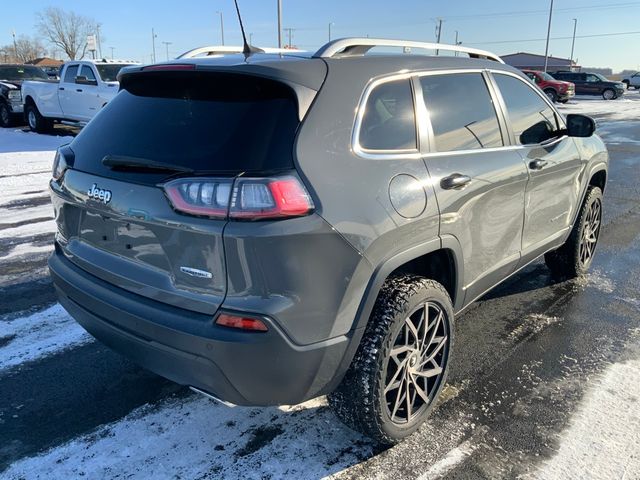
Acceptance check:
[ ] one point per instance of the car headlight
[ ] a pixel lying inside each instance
(15, 95)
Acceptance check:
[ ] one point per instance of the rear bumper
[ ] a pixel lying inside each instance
(188, 348)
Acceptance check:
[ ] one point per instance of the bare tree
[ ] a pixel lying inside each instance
(25, 49)
(66, 30)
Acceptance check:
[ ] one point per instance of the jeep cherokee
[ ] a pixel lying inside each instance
(271, 228)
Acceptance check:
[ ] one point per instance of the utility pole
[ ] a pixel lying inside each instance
(250, 38)
(289, 33)
(573, 42)
(457, 43)
(99, 42)
(15, 46)
(153, 44)
(279, 23)
(439, 33)
(166, 44)
(546, 50)
(221, 27)
(330, 23)
(112, 49)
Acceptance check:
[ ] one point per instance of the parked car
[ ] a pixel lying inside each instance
(592, 84)
(271, 228)
(11, 78)
(52, 72)
(632, 81)
(84, 88)
(556, 90)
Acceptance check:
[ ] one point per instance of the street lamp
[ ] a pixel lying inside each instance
(330, 23)
(221, 27)
(546, 50)
(166, 44)
(573, 42)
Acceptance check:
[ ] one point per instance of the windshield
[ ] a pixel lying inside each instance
(545, 76)
(109, 73)
(601, 77)
(22, 72)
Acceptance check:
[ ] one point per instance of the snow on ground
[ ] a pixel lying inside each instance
(624, 108)
(197, 438)
(17, 140)
(46, 332)
(606, 426)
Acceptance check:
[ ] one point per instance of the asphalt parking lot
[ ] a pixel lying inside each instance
(545, 381)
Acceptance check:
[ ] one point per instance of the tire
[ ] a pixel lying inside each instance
(37, 122)
(360, 400)
(609, 94)
(575, 257)
(551, 95)
(5, 116)
(564, 101)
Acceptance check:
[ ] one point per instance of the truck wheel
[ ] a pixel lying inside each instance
(402, 361)
(575, 256)
(551, 95)
(609, 94)
(5, 116)
(37, 122)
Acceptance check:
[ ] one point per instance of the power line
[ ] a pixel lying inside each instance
(595, 35)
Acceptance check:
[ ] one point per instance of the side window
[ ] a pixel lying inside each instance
(87, 71)
(389, 120)
(70, 74)
(532, 119)
(461, 111)
(592, 79)
(533, 78)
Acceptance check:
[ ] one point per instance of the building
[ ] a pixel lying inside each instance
(45, 62)
(532, 61)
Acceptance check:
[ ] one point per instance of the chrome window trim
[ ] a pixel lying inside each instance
(424, 129)
(413, 153)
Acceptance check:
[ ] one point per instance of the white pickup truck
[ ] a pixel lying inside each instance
(84, 87)
(632, 81)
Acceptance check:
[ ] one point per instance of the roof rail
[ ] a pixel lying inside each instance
(217, 50)
(359, 46)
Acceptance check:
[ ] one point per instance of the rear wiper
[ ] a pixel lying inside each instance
(132, 163)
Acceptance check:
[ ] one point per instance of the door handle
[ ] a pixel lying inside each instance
(61, 88)
(456, 180)
(537, 164)
(78, 89)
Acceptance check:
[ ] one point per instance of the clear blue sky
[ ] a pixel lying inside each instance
(498, 25)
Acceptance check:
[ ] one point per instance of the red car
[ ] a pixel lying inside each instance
(556, 90)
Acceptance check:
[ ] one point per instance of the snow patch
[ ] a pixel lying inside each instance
(532, 324)
(17, 140)
(603, 439)
(598, 280)
(449, 461)
(198, 438)
(44, 333)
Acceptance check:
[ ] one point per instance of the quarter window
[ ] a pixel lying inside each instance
(532, 119)
(462, 113)
(389, 121)
(71, 74)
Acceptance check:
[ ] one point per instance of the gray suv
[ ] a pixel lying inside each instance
(270, 228)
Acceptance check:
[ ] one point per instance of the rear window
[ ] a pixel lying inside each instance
(208, 122)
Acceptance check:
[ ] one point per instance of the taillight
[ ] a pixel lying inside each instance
(244, 199)
(59, 166)
(241, 323)
(200, 196)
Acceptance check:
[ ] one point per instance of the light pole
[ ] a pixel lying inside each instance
(573, 42)
(15, 46)
(221, 27)
(250, 38)
(153, 43)
(330, 23)
(546, 50)
(279, 23)
(290, 33)
(457, 43)
(112, 49)
(166, 44)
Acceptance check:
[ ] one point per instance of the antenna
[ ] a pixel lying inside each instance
(246, 49)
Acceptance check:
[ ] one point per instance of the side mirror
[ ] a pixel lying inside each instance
(82, 80)
(580, 126)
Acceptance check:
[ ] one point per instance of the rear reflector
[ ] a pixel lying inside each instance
(244, 199)
(242, 323)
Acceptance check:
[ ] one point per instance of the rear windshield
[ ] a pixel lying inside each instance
(22, 72)
(109, 72)
(208, 122)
